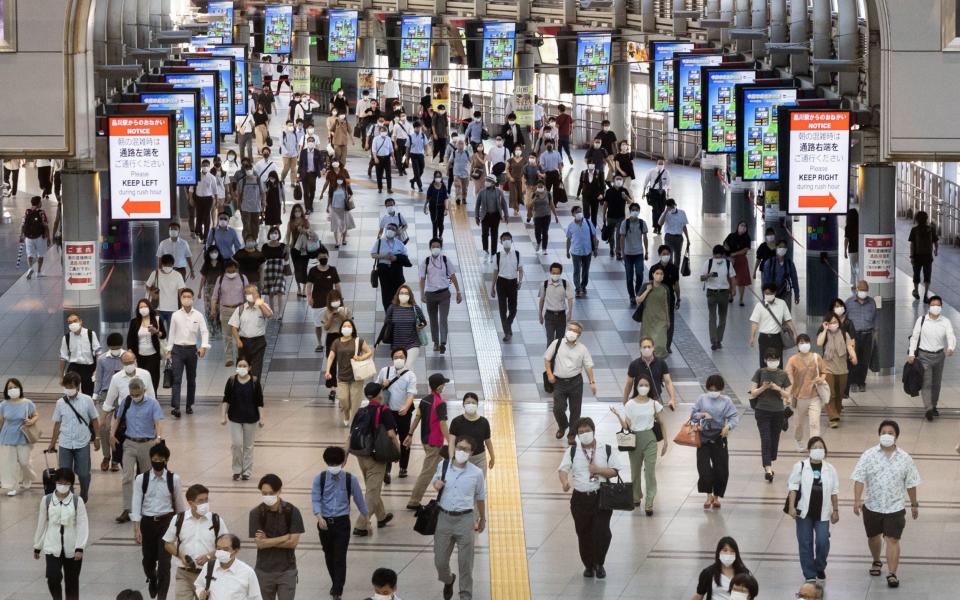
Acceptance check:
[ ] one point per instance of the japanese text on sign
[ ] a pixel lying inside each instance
(140, 186)
(819, 156)
(878, 257)
(79, 266)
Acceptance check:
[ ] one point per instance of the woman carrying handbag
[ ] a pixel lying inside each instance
(642, 419)
(714, 416)
(808, 384)
(347, 351)
(403, 326)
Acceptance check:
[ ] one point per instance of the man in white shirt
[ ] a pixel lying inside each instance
(264, 167)
(437, 272)
(119, 387)
(391, 92)
(208, 190)
(556, 303)
(769, 318)
(719, 282)
(245, 134)
(229, 578)
(248, 325)
(931, 341)
(191, 539)
(564, 362)
(656, 187)
(78, 351)
(583, 468)
(185, 326)
(507, 279)
(673, 224)
(156, 498)
(179, 249)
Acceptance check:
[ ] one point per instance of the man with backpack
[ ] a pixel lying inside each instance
(436, 274)
(556, 303)
(330, 496)
(507, 278)
(373, 453)
(78, 352)
(157, 497)
(276, 526)
(35, 235)
(432, 412)
(192, 540)
(227, 577)
(490, 210)
(253, 198)
(634, 248)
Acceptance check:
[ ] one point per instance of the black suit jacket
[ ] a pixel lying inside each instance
(509, 140)
(319, 161)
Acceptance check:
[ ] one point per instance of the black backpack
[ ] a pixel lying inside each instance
(179, 526)
(146, 482)
(33, 224)
(323, 484)
(362, 434)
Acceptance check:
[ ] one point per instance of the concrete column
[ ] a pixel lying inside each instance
(166, 14)
(711, 186)
(679, 23)
(726, 13)
(241, 34)
(759, 19)
(116, 298)
(799, 34)
(115, 26)
(821, 286)
(848, 43)
(648, 16)
(743, 208)
(878, 215)
(778, 30)
(713, 12)
(130, 23)
(619, 107)
(143, 24)
(156, 15)
(822, 37)
(569, 11)
(80, 203)
(368, 53)
(144, 240)
(619, 12)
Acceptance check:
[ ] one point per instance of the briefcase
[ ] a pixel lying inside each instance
(616, 495)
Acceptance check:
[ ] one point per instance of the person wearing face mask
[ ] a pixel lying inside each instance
(340, 137)
(117, 391)
(243, 406)
(34, 232)
(346, 348)
(276, 526)
(512, 134)
(479, 169)
(251, 198)
(245, 127)
(716, 580)
(330, 497)
(673, 223)
(384, 582)
(164, 285)
(737, 246)
(924, 246)
(531, 178)
(590, 190)
(62, 533)
(75, 423)
(475, 131)
(657, 373)
(598, 156)
(436, 274)
(186, 325)
(808, 379)
(491, 208)
(399, 384)
(769, 394)
(556, 303)
(715, 416)
(275, 204)
(250, 259)
(551, 165)
(564, 362)
(311, 164)
(564, 128)
(16, 413)
(638, 417)
(476, 427)
(781, 272)
(191, 539)
(381, 151)
(769, 319)
(402, 323)
(458, 156)
(654, 309)
(300, 251)
(157, 497)
(718, 281)
(514, 178)
(391, 257)
(78, 352)
(622, 163)
(141, 413)
(584, 467)
(432, 413)
(321, 281)
(248, 326)
(144, 337)
(440, 126)
(838, 350)
(436, 205)
(608, 143)
(497, 159)
(615, 201)
(462, 497)
(547, 135)
(418, 140)
(208, 190)
(886, 471)
(813, 500)
(227, 296)
(633, 247)
(507, 279)
(227, 577)
(224, 237)
(861, 310)
(373, 464)
(108, 364)
(541, 207)
(391, 216)
(211, 270)
(582, 244)
(179, 249)
(744, 586)
(276, 266)
(656, 189)
(931, 341)
(766, 250)
(289, 152)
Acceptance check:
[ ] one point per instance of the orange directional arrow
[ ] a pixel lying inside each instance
(827, 202)
(132, 207)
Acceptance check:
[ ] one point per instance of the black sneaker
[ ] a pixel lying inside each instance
(386, 479)
(402, 474)
(448, 588)
(189, 410)
(928, 415)
(601, 572)
(936, 412)
(360, 532)
(176, 413)
(588, 572)
(386, 519)
(124, 517)
(821, 575)
(236, 476)
(152, 586)
(443, 348)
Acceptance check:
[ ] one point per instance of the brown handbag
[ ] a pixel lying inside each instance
(688, 435)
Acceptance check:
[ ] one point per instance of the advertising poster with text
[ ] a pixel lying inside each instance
(140, 185)
(186, 134)
(720, 107)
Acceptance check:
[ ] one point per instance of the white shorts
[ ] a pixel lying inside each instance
(36, 248)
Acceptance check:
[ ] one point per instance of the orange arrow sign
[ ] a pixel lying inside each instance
(827, 202)
(132, 207)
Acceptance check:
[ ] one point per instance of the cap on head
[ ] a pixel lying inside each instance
(436, 380)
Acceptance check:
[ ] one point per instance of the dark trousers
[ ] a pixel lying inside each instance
(555, 324)
(718, 301)
(183, 357)
(657, 208)
(390, 280)
(551, 181)
(44, 181)
(439, 147)
(335, 540)
(438, 311)
(633, 265)
(489, 231)
(403, 428)
(567, 392)
(204, 206)
(156, 560)
(541, 231)
(86, 375)
(398, 154)
(507, 301)
(769, 340)
(60, 568)
(253, 350)
(418, 162)
(770, 425)
(57, 185)
(591, 209)
(152, 365)
(593, 528)
(382, 163)
(864, 346)
(581, 271)
(713, 467)
(11, 177)
(925, 266)
(676, 246)
(309, 183)
(563, 144)
(436, 219)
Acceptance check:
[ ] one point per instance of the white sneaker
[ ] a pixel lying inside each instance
(29, 273)
(12, 493)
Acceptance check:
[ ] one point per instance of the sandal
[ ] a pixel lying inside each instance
(892, 581)
(875, 568)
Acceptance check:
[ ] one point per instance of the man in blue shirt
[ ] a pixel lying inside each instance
(551, 162)
(474, 131)
(75, 422)
(418, 147)
(142, 417)
(224, 237)
(461, 487)
(381, 151)
(581, 245)
(391, 257)
(108, 364)
(332, 490)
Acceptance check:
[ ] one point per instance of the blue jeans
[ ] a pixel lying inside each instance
(77, 460)
(813, 553)
(165, 316)
(183, 356)
(581, 271)
(633, 265)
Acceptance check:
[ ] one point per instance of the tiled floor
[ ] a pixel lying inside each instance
(656, 557)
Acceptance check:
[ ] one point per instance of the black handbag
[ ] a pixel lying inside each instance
(297, 193)
(384, 451)
(374, 280)
(616, 496)
(547, 386)
(912, 378)
(657, 430)
(796, 501)
(605, 232)
(638, 314)
(167, 375)
(685, 264)
(427, 515)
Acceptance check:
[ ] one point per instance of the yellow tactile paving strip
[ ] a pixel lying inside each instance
(509, 579)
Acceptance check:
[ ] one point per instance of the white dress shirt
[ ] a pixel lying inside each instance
(196, 536)
(157, 502)
(652, 176)
(236, 582)
(169, 284)
(186, 326)
(120, 387)
(58, 514)
(579, 468)
(723, 270)
(508, 264)
(765, 322)
(463, 487)
(210, 186)
(391, 89)
(178, 248)
(399, 390)
(571, 360)
(249, 321)
(935, 335)
(80, 351)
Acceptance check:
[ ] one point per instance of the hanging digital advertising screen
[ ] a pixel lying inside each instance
(239, 54)
(499, 45)
(719, 107)
(209, 124)
(222, 27)
(661, 72)
(687, 115)
(225, 87)
(186, 136)
(593, 64)
(342, 35)
(815, 159)
(757, 130)
(277, 29)
(415, 33)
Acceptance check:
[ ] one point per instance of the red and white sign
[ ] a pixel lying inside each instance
(79, 266)
(878, 258)
(819, 161)
(140, 184)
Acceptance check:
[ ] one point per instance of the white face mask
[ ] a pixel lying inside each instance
(507, 244)
(203, 509)
(346, 331)
(643, 390)
(461, 456)
(734, 595)
(74, 327)
(518, 152)
(270, 500)
(130, 369)
(223, 222)
(435, 251)
(769, 298)
(713, 394)
(231, 274)
(578, 217)
(391, 211)
(839, 310)
(249, 298)
(555, 277)
(69, 393)
(224, 556)
(13, 393)
(383, 597)
(274, 236)
(398, 363)
(242, 371)
(144, 311)
(727, 558)
(116, 352)
(63, 488)
(403, 298)
(470, 409)
(817, 454)
(887, 440)
(634, 214)
(335, 469)
(803, 348)
(772, 364)
(586, 438)
(167, 270)
(665, 259)
(335, 304)
(311, 146)
(571, 336)
(936, 310)
(646, 352)
(781, 251)
(214, 255)
(390, 233)
(186, 302)
(862, 294)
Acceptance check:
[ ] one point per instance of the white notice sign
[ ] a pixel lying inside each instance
(819, 161)
(140, 186)
(79, 266)
(878, 257)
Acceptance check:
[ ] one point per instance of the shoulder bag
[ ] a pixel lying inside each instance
(822, 388)
(913, 371)
(384, 451)
(362, 369)
(654, 195)
(786, 338)
(685, 263)
(374, 281)
(153, 292)
(32, 432)
(427, 516)
(547, 386)
(422, 333)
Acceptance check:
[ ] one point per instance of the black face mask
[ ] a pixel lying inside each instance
(158, 466)
(323, 261)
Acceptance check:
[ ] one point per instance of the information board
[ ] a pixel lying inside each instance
(757, 139)
(222, 27)
(817, 161)
(415, 35)
(499, 45)
(79, 266)
(366, 81)
(225, 89)
(209, 126)
(523, 105)
(637, 56)
(661, 72)
(719, 107)
(342, 35)
(187, 133)
(440, 92)
(277, 29)
(879, 253)
(140, 179)
(593, 64)
(687, 89)
(240, 77)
